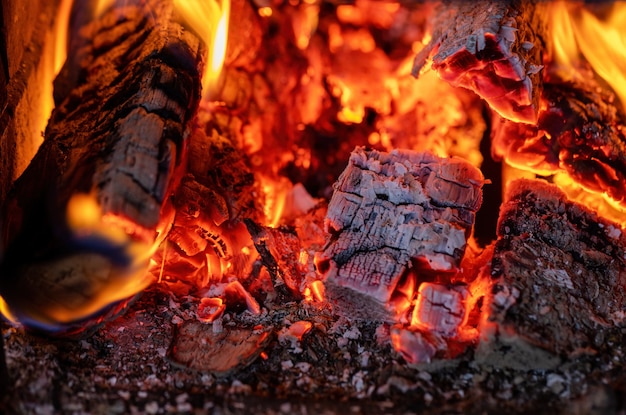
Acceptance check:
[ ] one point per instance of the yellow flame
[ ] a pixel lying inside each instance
(275, 191)
(209, 20)
(598, 202)
(6, 312)
(84, 218)
(579, 33)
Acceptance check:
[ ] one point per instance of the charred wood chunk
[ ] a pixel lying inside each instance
(389, 212)
(440, 308)
(580, 133)
(79, 223)
(494, 48)
(558, 274)
(278, 249)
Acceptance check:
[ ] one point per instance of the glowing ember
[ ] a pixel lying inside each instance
(297, 330)
(210, 309)
(439, 308)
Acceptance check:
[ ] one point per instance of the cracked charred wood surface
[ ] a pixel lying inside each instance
(559, 276)
(580, 132)
(494, 48)
(117, 134)
(392, 212)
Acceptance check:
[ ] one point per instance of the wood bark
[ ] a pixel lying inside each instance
(580, 132)
(117, 134)
(391, 212)
(559, 277)
(494, 48)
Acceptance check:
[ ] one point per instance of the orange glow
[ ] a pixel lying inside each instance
(439, 308)
(305, 23)
(104, 280)
(276, 192)
(265, 11)
(210, 309)
(510, 173)
(209, 19)
(299, 329)
(601, 203)
(315, 291)
(578, 34)
(101, 6)
(6, 312)
(61, 28)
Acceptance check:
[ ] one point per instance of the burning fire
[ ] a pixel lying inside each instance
(581, 36)
(209, 19)
(210, 251)
(587, 41)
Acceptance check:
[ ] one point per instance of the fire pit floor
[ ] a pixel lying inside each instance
(336, 367)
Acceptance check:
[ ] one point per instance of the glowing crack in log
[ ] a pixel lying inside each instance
(392, 217)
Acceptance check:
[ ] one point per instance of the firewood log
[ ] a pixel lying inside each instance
(114, 144)
(558, 279)
(494, 48)
(580, 132)
(391, 212)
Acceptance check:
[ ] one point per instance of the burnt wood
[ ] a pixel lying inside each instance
(495, 48)
(392, 212)
(559, 278)
(580, 132)
(118, 133)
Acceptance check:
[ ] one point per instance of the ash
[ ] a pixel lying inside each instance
(336, 367)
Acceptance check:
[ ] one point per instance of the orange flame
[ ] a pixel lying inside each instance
(578, 33)
(209, 20)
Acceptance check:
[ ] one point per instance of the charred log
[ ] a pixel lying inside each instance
(494, 48)
(558, 273)
(115, 141)
(390, 213)
(580, 133)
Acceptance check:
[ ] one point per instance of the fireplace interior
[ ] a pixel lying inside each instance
(306, 206)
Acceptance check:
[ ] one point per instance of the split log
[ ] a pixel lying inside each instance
(494, 48)
(559, 279)
(391, 212)
(580, 133)
(114, 142)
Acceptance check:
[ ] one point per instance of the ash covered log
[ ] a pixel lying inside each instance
(79, 223)
(580, 133)
(559, 279)
(494, 48)
(391, 213)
